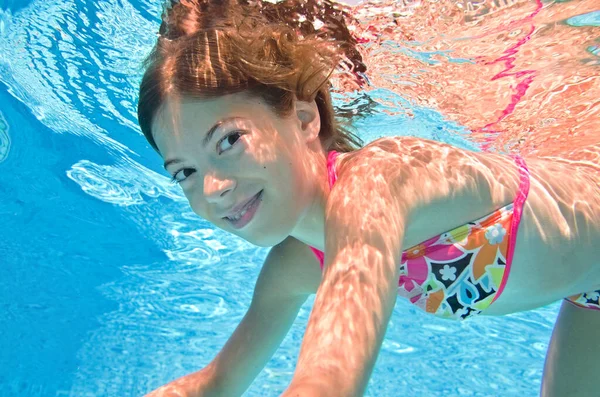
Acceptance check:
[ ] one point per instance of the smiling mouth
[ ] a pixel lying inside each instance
(246, 213)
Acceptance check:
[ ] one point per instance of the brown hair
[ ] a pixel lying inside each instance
(211, 48)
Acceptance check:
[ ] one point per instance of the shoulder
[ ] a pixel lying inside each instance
(290, 268)
(404, 157)
(395, 166)
(405, 182)
(366, 199)
(423, 170)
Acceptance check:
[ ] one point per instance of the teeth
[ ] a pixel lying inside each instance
(238, 216)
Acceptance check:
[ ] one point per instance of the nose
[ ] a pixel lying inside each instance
(215, 189)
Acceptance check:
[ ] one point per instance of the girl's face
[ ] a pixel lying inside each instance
(242, 167)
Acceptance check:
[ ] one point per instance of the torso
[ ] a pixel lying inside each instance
(554, 255)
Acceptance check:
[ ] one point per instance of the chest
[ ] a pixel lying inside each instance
(460, 272)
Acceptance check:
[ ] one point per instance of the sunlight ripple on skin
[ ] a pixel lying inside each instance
(397, 192)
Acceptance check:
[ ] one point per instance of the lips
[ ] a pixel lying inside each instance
(238, 208)
(240, 215)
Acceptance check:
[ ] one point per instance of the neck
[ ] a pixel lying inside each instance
(311, 227)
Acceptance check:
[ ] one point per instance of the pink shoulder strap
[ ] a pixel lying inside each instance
(331, 173)
(332, 176)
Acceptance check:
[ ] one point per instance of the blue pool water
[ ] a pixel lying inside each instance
(111, 286)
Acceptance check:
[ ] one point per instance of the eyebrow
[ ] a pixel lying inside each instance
(207, 138)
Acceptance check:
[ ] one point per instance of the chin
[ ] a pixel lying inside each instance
(264, 240)
(264, 234)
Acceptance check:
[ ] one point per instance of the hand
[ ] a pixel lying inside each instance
(169, 390)
(192, 385)
(305, 389)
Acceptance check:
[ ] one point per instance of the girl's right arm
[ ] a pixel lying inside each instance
(284, 284)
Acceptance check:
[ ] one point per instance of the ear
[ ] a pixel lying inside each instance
(307, 114)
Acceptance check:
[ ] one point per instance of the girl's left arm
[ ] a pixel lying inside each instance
(365, 223)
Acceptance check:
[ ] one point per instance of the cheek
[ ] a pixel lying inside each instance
(290, 183)
(195, 202)
(299, 177)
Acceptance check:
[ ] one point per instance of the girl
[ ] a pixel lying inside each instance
(238, 105)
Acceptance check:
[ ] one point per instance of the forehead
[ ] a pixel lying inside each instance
(176, 113)
(179, 119)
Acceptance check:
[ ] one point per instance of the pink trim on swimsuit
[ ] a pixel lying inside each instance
(518, 205)
(459, 273)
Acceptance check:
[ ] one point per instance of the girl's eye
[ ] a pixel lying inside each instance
(228, 141)
(182, 175)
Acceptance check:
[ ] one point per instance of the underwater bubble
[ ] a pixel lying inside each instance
(4, 138)
(123, 183)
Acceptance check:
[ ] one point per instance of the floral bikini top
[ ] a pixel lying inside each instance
(461, 272)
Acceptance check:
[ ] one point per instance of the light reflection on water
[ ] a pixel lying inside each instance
(505, 76)
(4, 138)
(531, 80)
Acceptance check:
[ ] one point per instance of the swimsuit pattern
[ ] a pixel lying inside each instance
(587, 300)
(458, 274)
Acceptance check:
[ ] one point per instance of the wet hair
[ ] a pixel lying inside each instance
(211, 48)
